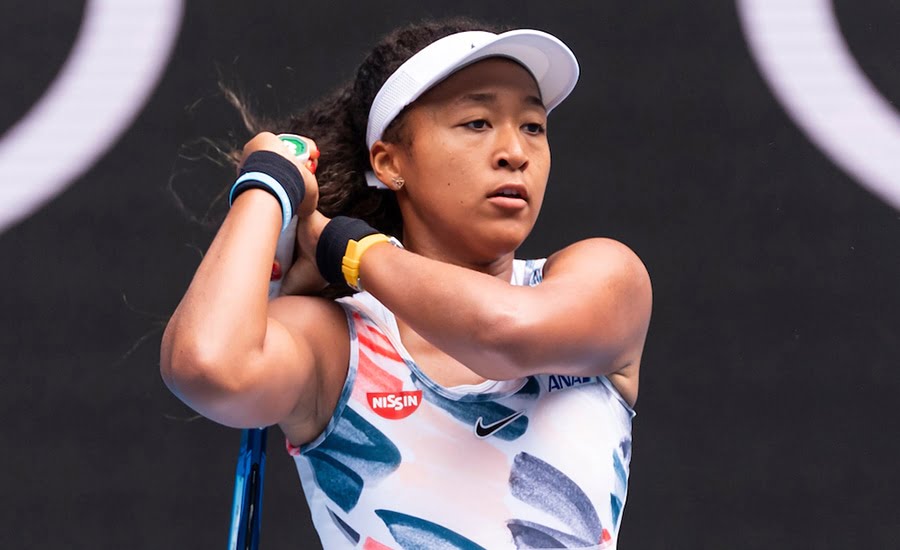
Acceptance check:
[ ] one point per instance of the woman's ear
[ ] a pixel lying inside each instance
(385, 161)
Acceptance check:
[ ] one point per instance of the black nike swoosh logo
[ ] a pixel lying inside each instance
(482, 430)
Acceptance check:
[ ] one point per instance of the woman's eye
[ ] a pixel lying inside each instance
(534, 128)
(477, 124)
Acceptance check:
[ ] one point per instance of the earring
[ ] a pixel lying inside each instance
(398, 181)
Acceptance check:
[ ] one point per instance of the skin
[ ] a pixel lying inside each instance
(468, 143)
(245, 362)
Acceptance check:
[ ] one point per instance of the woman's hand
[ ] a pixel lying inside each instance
(267, 141)
(301, 278)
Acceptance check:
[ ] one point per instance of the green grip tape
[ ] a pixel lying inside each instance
(296, 145)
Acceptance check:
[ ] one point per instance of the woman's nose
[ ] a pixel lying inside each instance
(510, 151)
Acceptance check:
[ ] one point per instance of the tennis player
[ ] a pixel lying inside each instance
(455, 396)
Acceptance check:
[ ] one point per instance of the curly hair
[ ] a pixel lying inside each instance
(338, 124)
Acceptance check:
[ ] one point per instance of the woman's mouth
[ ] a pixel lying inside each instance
(509, 196)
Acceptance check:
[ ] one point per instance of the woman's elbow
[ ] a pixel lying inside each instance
(192, 366)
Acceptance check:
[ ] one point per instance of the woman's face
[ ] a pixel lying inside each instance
(477, 165)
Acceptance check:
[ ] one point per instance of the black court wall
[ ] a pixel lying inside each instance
(767, 415)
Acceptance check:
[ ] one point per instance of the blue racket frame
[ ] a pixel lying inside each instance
(246, 510)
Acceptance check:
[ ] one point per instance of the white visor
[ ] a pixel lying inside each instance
(551, 62)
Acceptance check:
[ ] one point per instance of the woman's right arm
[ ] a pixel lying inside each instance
(230, 354)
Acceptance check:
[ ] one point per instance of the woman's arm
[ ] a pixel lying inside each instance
(226, 351)
(589, 316)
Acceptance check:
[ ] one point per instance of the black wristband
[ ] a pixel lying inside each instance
(333, 244)
(277, 167)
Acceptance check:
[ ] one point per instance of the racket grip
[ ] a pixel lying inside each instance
(284, 255)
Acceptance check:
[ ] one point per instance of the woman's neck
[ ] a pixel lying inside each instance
(500, 267)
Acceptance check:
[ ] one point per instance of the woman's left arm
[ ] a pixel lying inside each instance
(588, 317)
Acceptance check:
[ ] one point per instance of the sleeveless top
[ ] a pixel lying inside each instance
(537, 462)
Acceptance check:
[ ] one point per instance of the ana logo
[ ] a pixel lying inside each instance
(395, 405)
(560, 382)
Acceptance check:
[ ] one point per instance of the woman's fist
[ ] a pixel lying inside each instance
(267, 141)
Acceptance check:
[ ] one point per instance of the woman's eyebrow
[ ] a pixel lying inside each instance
(490, 97)
(477, 97)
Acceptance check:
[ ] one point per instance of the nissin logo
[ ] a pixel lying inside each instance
(560, 382)
(395, 405)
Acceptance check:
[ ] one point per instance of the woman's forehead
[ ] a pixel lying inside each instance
(479, 81)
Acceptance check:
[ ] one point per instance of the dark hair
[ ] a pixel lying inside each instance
(338, 124)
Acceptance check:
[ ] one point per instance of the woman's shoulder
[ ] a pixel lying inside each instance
(285, 308)
(596, 254)
(318, 321)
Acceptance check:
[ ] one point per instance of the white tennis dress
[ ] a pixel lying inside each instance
(538, 462)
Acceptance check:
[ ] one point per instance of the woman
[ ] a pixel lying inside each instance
(462, 398)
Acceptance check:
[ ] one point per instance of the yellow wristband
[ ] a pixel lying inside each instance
(354, 252)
